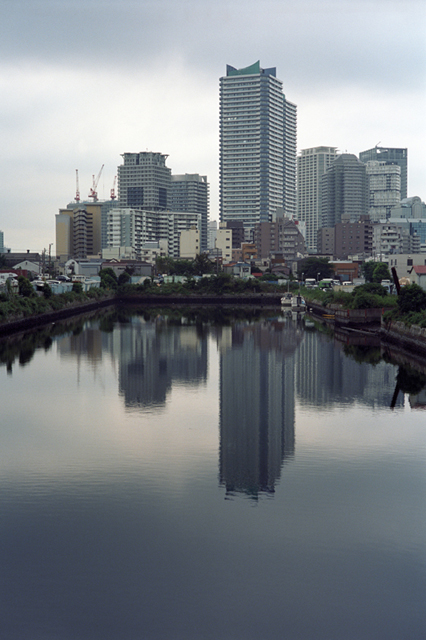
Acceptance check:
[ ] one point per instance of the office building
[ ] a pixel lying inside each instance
(190, 193)
(410, 208)
(144, 181)
(257, 146)
(390, 156)
(385, 189)
(311, 165)
(344, 190)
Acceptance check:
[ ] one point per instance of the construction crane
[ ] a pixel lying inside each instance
(113, 196)
(77, 188)
(93, 193)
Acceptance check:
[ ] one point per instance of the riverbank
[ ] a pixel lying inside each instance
(16, 325)
(370, 321)
(409, 338)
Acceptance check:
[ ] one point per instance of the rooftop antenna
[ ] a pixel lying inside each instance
(77, 188)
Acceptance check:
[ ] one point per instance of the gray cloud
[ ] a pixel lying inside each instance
(82, 82)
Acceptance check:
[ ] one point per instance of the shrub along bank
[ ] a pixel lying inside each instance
(366, 296)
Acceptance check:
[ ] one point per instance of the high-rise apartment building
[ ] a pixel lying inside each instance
(311, 165)
(390, 156)
(344, 190)
(144, 181)
(190, 193)
(257, 146)
(127, 227)
(78, 230)
(290, 154)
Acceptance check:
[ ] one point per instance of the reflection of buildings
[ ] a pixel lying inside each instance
(256, 404)
(84, 344)
(325, 376)
(152, 356)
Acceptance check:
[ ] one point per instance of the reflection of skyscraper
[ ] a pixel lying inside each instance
(256, 405)
(325, 376)
(153, 355)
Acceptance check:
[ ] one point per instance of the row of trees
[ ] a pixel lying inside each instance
(199, 266)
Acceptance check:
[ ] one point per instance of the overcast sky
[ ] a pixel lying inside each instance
(83, 81)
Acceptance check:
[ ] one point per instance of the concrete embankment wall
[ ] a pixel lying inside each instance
(411, 338)
(32, 322)
(26, 324)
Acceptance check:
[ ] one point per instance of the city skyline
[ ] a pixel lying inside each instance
(79, 102)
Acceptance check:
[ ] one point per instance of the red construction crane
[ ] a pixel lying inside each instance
(113, 196)
(77, 188)
(93, 193)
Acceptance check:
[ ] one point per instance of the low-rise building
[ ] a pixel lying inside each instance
(224, 242)
(418, 276)
(282, 235)
(189, 243)
(404, 263)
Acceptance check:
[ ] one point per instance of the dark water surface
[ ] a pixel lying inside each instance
(177, 478)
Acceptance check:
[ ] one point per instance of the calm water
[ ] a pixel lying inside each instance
(200, 478)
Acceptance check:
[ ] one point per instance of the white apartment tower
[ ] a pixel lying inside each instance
(257, 146)
(311, 165)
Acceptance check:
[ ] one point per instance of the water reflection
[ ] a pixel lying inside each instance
(150, 356)
(325, 375)
(257, 411)
(114, 522)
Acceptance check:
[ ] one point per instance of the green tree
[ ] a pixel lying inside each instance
(77, 287)
(25, 287)
(108, 278)
(202, 264)
(412, 298)
(47, 290)
(123, 278)
(367, 269)
(311, 267)
(381, 272)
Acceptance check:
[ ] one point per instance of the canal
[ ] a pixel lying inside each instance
(211, 475)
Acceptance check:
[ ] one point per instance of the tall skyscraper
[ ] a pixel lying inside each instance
(385, 189)
(344, 190)
(257, 146)
(190, 193)
(390, 156)
(311, 164)
(144, 181)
